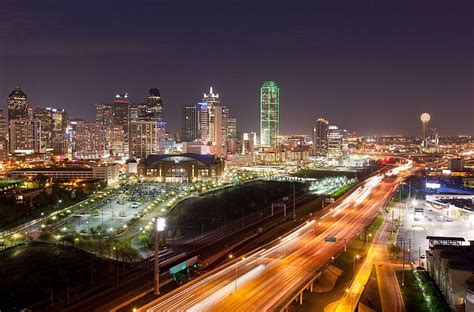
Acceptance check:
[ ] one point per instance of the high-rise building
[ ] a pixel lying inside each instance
(53, 129)
(212, 123)
(189, 123)
(89, 140)
(113, 116)
(24, 130)
(203, 121)
(146, 138)
(320, 137)
(17, 104)
(152, 110)
(155, 104)
(432, 141)
(425, 119)
(246, 142)
(335, 143)
(217, 134)
(25, 136)
(269, 114)
(147, 119)
(117, 143)
(120, 110)
(231, 128)
(3, 137)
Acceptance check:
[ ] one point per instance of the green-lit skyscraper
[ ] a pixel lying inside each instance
(269, 114)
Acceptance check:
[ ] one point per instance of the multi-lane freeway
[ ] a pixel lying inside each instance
(267, 278)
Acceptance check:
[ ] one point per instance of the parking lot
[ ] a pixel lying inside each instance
(415, 229)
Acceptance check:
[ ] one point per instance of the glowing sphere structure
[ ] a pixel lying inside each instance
(425, 117)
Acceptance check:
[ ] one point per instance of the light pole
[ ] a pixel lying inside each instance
(354, 263)
(403, 265)
(160, 224)
(236, 266)
(294, 202)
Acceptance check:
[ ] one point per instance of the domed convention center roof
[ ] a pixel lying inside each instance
(17, 93)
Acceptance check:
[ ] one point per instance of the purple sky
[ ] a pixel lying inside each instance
(369, 66)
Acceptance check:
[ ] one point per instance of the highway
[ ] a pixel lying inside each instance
(267, 278)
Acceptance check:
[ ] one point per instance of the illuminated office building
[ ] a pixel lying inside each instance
(53, 129)
(89, 140)
(335, 143)
(320, 137)
(3, 137)
(269, 114)
(189, 123)
(17, 104)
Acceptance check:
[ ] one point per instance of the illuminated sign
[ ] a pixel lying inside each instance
(433, 185)
(160, 224)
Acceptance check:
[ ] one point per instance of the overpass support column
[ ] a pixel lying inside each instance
(311, 288)
(301, 298)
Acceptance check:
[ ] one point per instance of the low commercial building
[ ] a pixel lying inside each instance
(456, 164)
(107, 173)
(452, 269)
(186, 167)
(275, 157)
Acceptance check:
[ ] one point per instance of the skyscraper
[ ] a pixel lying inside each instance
(89, 140)
(17, 104)
(269, 114)
(152, 110)
(189, 123)
(53, 128)
(24, 130)
(320, 137)
(231, 128)
(212, 122)
(146, 138)
(3, 137)
(154, 104)
(114, 119)
(147, 127)
(335, 142)
(120, 111)
(25, 136)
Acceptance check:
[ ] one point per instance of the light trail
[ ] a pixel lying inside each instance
(269, 277)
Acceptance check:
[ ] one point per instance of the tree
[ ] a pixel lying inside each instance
(45, 235)
(41, 179)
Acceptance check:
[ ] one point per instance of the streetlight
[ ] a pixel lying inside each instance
(370, 235)
(354, 262)
(160, 224)
(236, 266)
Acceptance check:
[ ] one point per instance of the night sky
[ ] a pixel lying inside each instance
(368, 66)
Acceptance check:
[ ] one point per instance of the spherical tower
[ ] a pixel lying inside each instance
(425, 118)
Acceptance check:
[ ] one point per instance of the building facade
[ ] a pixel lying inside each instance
(335, 143)
(320, 137)
(146, 138)
(89, 141)
(3, 137)
(189, 123)
(269, 114)
(53, 129)
(181, 168)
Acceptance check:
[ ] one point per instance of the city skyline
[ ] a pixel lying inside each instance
(393, 71)
(236, 155)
